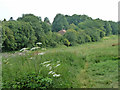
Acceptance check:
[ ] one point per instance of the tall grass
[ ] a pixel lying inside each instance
(85, 66)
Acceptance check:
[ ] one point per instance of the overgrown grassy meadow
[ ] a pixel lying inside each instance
(90, 65)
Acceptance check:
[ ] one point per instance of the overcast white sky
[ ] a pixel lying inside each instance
(103, 9)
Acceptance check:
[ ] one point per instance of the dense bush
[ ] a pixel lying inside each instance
(32, 80)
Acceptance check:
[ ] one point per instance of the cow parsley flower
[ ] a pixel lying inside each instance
(53, 72)
(39, 43)
(57, 65)
(34, 48)
(45, 62)
(58, 61)
(50, 72)
(56, 75)
(41, 53)
(43, 49)
(47, 65)
(50, 67)
(23, 49)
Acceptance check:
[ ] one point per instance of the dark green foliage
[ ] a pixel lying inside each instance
(94, 34)
(71, 35)
(46, 27)
(114, 27)
(8, 39)
(17, 35)
(32, 80)
(30, 29)
(76, 19)
(82, 37)
(35, 22)
(73, 26)
(47, 20)
(59, 23)
(108, 28)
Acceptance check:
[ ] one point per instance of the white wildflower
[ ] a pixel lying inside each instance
(23, 49)
(50, 72)
(39, 43)
(41, 53)
(43, 49)
(50, 68)
(56, 75)
(47, 65)
(57, 65)
(31, 58)
(58, 61)
(34, 48)
(53, 72)
(45, 62)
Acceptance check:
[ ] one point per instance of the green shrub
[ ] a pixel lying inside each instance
(32, 80)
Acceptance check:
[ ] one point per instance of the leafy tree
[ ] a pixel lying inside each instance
(82, 37)
(59, 23)
(47, 20)
(57, 37)
(30, 29)
(4, 19)
(71, 35)
(35, 22)
(93, 33)
(73, 26)
(11, 19)
(8, 39)
(108, 28)
(114, 27)
(21, 33)
(76, 19)
(46, 27)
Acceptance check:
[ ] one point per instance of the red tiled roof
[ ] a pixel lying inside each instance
(62, 32)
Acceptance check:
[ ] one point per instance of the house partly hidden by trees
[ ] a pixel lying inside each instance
(62, 32)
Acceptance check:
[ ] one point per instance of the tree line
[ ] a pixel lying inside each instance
(29, 29)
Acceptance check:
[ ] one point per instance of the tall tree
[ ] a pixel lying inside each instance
(114, 27)
(8, 39)
(35, 22)
(11, 19)
(59, 23)
(47, 20)
(108, 28)
(71, 35)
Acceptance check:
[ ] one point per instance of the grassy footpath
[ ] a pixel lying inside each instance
(90, 65)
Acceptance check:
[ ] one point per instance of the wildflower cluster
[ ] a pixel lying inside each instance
(34, 48)
(43, 49)
(54, 74)
(38, 43)
(23, 49)
(42, 53)
(50, 66)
